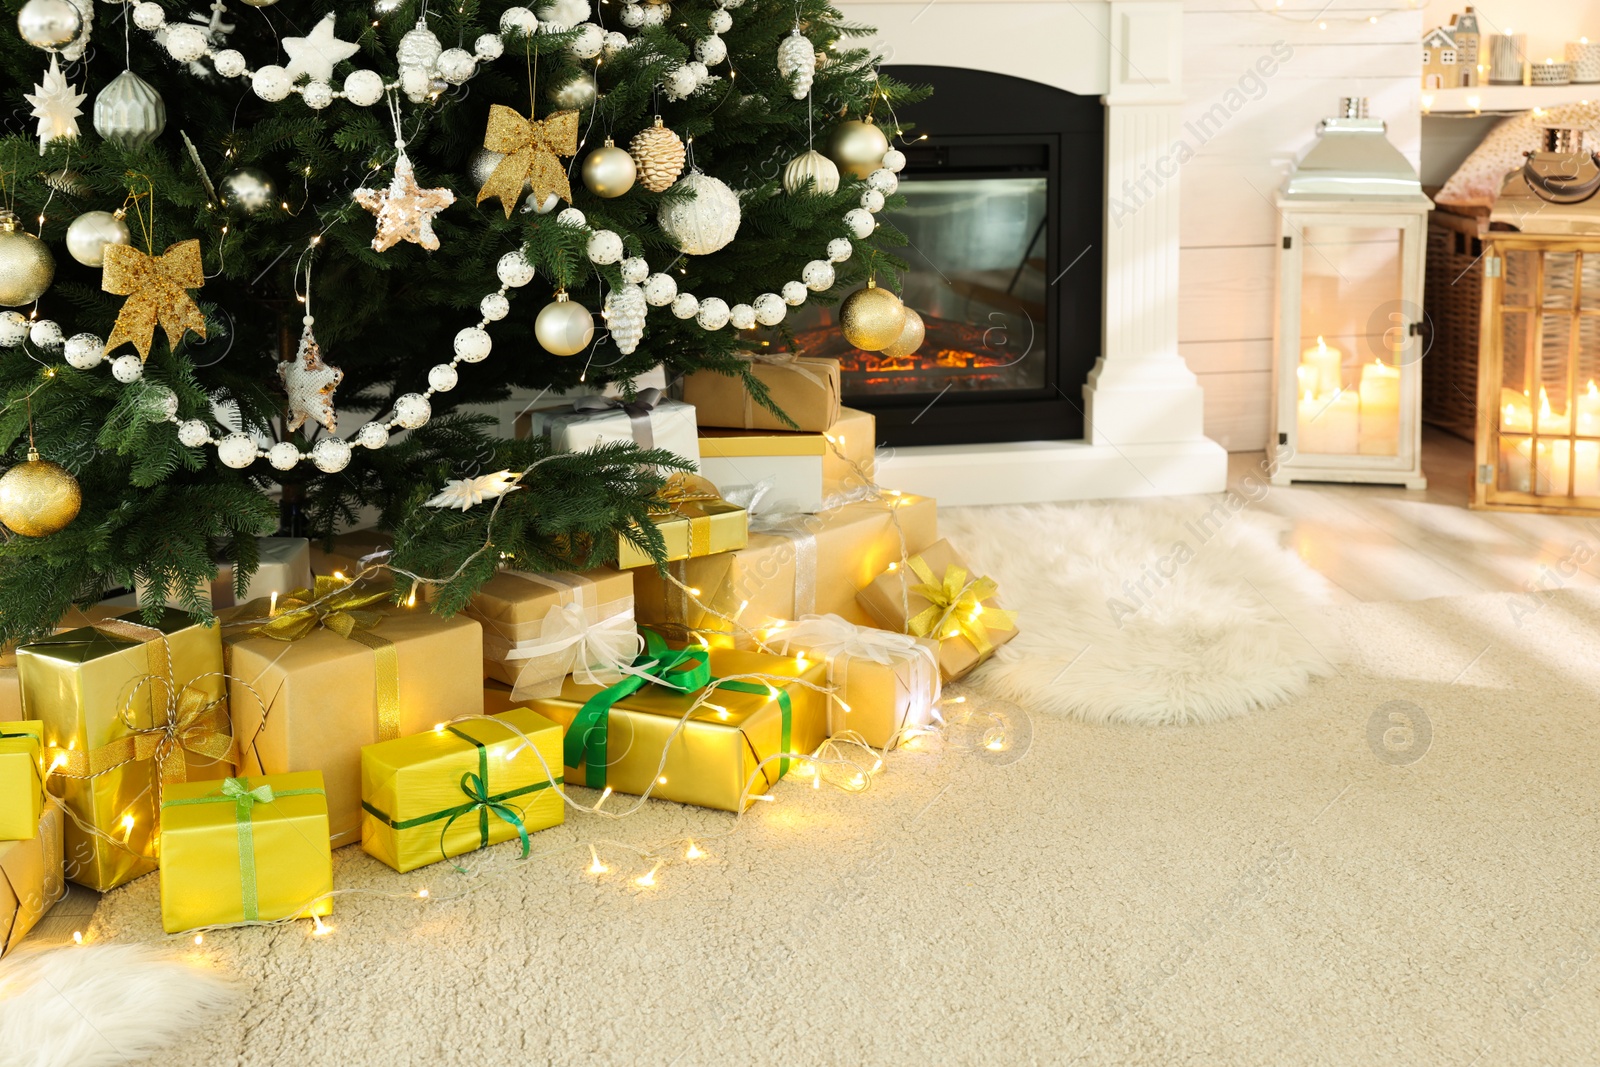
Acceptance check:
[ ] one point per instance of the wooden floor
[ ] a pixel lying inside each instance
(1382, 543)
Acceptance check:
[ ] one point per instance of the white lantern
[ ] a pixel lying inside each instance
(1347, 372)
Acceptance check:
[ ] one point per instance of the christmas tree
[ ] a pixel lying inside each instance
(313, 233)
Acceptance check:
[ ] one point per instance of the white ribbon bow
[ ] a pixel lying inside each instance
(594, 654)
(839, 641)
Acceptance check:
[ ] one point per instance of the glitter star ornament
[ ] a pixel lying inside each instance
(463, 494)
(55, 105)
(316, 53)
(405, 210)
(310, 384)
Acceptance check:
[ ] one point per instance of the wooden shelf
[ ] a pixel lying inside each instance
(1497, 98)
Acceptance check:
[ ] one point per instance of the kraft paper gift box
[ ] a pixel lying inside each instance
(935, 595)
(539, 628)
(616, 736)
(21, 779)
(649, 422)
(30, 878)
(342, 555)
(814, 565)
(884, 683)
(808, 471)
(245, 850)
(285, 566)
(399, 672)
(446, 792)
(694, 521)
(497, 698)
(127, 710)
(804, 388)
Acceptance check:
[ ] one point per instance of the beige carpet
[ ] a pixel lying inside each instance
(1274, 889)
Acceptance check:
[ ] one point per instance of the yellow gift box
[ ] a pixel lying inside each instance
(245, 850)
(934, 595)
(693, 521)
(722, 748)
(127, 708)
(469, 785)
(397, 673)
(21, 779)
(30, 878)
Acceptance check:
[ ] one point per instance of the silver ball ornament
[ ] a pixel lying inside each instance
(883, 180)
(605, 247)
(186, 42)
(317, 95)
(818, 275)
(741, 316)
(249, 189)
(230, 62)
(540, 207)
(894, 160)
(719, 21)
(572, 217)
(13, 328)
(609, 171)
(794, 293)
(514, 269)
(769, 309)
(635, 270)
(331, 455)
(589, 41)
(363, 87)
(488, 48)
(713, 314)
(872, 200)
(518, 21)
(564, 327)
(711, 50)
(272, 83)
(456, 65)
(149, 16)
(129, 113)
(494, 307)
(839, 250)
(90, 233)
(49, 24)
(860, 221)
(633, 15)
(373, 435)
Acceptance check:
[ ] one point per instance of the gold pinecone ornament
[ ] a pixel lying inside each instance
(38, 498)
(659, 155)
(872, 319)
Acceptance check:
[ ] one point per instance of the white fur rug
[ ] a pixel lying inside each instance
(84, 1006)
(1152, 613)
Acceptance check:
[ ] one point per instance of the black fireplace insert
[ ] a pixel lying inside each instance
(1004, 183)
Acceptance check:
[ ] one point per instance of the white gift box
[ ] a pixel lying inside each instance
(791, 465)
(285, 567)
(649, 423)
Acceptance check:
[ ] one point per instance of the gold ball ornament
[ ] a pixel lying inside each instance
(858, 147)
(872, 319)
(911, 337)
(659, 155)
(564, 327)
(26, 266)
(609, 171)
(38, 498)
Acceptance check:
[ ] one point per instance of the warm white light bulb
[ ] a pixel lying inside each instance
(596, 867)
(648, 878)
(199, 939)
(693, 852)
(318, 927)
(422, 894)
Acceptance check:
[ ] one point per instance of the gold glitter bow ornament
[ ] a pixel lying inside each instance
(530, 147)
(336, 605)
(155, 287)
(957, 602)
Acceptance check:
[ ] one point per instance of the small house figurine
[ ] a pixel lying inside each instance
(1464, 31)
(1440, 69)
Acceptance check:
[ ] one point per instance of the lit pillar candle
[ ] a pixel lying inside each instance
(1309, 378)
(1555, 467)
(1589, 412)
(1516, 414)
(1309, 430)
(1552, 424)
(1380, 410)
(1586, 469)
(1327, 360)
(1331, 425)
(1516, 464)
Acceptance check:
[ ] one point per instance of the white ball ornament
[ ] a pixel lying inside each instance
(518, 20)
(659, 290)
(193, 433)
(443, 378)
(331, 455)
(564, 327)
(564, 14)
(698, 69)
(412, 410)
(614, 43)
(13, 328)
(127, 369)
(713, 313)
(657, 14)
(416, 83)
(317, 95)
(84, 350)
(494, 307)
(719, 21)
(514, 269)
(589, 41)
(872, 200)
(46, 333)
(839, 250)
(488, 48)
(186, 42)
(685, 306)
(794, 293)
(741, 316)
(710, 50)
(633, 15)
(364, 87)
(707, 222)
(894, 160)
(681, 83)
(90, 233)
(860, 221)
(149, 17)
(236, 450)
(284, 456)
(373, 435)
(160, 404)
(456, 65)
(473, 344)
(769, 308)
(635, 270)
(883, 180)
(540, 207)
(572, 217)
(271, 83)
(605, 247)
(230, 62)
(818, 275)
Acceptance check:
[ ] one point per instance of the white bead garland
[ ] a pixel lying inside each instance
(127, 369)
(331, 455)
(473, 345)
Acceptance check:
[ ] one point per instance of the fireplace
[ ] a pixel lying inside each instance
(1002, 215)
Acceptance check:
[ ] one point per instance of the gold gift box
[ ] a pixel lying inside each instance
(11, 685)
(497, 698)
(806, 389)
(30, 878)
(512, 607)
(78, 683)
(207, 877)
(415, 809)
(892, 603)
(717, 752)
(344, 552)
(322, 698)
(691, 530)
(852, 546)
(21, 779)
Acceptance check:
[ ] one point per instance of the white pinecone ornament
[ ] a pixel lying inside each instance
(625, 311)
(658, 154)
(797, 62)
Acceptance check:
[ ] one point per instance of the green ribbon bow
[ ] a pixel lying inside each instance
(479, 799)
(685, 671)
(244, 801)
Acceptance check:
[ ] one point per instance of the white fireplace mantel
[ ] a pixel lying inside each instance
(1143, 407)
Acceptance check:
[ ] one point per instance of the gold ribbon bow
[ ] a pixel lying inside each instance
(333, 604)
(530, 147)
(156, 290)
(958, 601)
(683, 488)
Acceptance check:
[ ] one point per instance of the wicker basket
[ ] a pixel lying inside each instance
(1453, 301)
